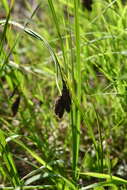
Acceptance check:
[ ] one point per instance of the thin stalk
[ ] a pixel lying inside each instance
(100, 148)
(58, 31)
(77, 115)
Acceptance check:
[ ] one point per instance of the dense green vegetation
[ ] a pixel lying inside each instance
(63, 95)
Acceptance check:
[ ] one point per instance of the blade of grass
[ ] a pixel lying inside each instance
(8, 160)
(41, 161)
(100, 184)
(38, 37)
(4, 32)
(112, 179)
(6, 6)
(29, 187)
(58, 31)
(76, 113)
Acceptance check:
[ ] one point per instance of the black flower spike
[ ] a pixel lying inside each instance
(15, 91)
(59, 107)
(66, 97)
(63, 102)
(15, 106)
(87, 4)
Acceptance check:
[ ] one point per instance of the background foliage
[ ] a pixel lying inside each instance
(43, 43)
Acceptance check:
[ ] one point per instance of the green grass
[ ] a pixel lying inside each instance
(41, 45)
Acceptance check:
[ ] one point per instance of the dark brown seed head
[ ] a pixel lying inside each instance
(15, 91)
(66, 97)
(15, 106)
(63, 102)
(68, 104)
(87, 4)
(59, 107)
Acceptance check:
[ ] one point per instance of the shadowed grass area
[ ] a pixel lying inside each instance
(63, 99)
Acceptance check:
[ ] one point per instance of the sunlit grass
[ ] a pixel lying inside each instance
(48, 45)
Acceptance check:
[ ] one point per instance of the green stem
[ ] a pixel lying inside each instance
(78, 89)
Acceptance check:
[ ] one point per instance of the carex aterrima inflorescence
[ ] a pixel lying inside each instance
(63, 103)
